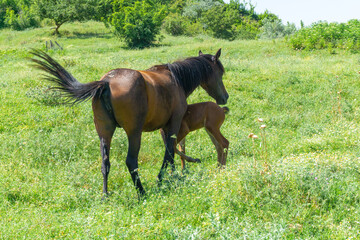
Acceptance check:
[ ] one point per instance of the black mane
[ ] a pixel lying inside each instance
(193, 71)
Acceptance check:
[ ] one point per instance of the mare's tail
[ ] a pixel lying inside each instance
(226, 109)
(73, 91)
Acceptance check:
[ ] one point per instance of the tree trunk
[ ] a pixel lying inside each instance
(58, 25)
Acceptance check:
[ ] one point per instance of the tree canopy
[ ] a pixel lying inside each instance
(62, 11)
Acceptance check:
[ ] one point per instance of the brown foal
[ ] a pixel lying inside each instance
(210, 116)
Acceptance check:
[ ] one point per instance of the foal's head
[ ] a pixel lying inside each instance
(214, 85)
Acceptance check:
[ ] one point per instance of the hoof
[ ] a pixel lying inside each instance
(105, 198)
(197, 160)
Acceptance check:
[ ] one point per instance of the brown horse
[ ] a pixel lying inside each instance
(210, 116)
(139, 101)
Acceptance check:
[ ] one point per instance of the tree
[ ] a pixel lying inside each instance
(62, 11)
(17, 14)
(195, 8)
(220, 21)
(272, 29)
(5, 5)
(137, 22)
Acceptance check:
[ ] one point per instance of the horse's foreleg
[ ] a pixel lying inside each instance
(132, 160)
(169, 155)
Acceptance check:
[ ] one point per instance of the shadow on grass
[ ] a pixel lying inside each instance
(87, 35)
(155, 45)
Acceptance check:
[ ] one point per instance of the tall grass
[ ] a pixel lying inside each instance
(50, 179)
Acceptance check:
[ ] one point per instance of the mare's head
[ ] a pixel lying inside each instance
(214, 85)
(205, 70)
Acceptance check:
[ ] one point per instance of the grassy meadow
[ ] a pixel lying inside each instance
(304, 185)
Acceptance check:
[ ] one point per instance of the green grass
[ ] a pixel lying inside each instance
(50, 179)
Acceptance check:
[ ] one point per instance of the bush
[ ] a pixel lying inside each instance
(137, 23)
(233, 20)
(174, 24)
(322, 35)
(248, 29)
(272, 29)
(195, 8)
(21, 20)
(17, 15)
(219, 22)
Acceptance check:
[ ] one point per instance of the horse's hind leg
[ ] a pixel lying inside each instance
(134, 139)
(221, 144)
(105, 132)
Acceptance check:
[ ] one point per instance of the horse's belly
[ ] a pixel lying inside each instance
(156, 120)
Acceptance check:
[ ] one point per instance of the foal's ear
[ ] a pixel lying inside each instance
(200, 53)
(216, 56)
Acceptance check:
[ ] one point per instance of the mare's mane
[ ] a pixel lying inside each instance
(191, 72)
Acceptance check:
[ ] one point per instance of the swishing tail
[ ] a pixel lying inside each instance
(226, 109)
(72, 89)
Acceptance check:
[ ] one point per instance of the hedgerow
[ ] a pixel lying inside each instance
(322, 35)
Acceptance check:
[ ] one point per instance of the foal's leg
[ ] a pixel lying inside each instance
(220, 143)
(183, 156)
(184, 130)
(132, 159)
(182, 150)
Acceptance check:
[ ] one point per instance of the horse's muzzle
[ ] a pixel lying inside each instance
(223, 99)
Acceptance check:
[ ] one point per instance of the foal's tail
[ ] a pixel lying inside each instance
(72, 89)
(226, 109)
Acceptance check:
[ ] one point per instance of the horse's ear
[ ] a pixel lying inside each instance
(200, 53)
(217, 55)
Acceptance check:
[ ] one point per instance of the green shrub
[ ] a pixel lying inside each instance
(248, 29)
(17, 15)
(137, 23)
(174, 24)
(219, 22)
(328, 35)
(192, 29)
(233, 20)
(274, 28)
(22, 19)
(195, 8)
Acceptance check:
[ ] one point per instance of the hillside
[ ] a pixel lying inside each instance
(50, 178)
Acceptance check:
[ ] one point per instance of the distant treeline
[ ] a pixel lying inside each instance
(139, 21)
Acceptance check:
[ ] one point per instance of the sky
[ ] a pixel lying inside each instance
(310, 11)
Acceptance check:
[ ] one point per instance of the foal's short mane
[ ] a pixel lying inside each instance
(191, 72)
